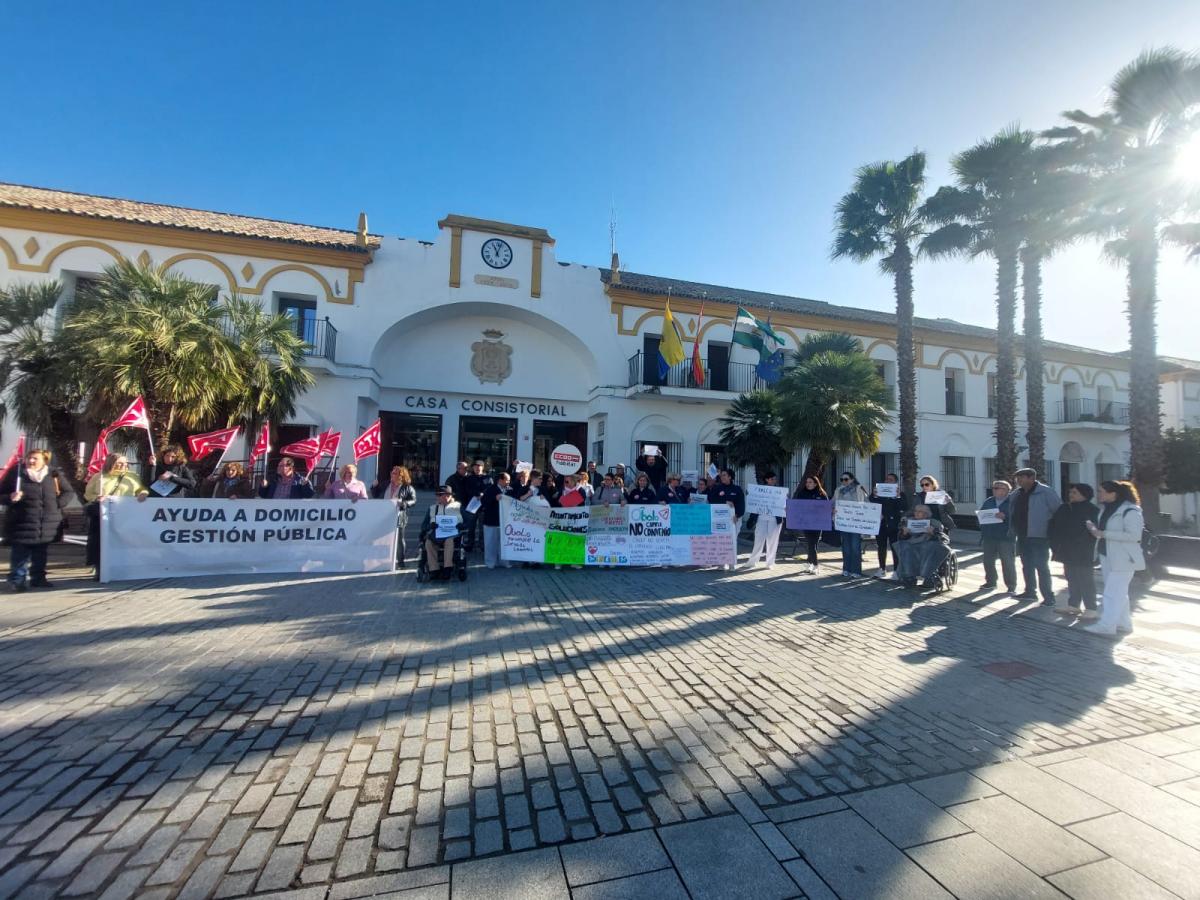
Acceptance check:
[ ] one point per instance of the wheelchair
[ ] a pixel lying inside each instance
(459, 563)
(943, 579)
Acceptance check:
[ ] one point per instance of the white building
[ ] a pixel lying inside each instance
(483, 344)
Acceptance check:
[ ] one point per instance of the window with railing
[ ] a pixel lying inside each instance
(956, 398)
(737, 377)
(958, 477)
(598, 452)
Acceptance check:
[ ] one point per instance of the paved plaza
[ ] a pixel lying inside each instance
(593, 734)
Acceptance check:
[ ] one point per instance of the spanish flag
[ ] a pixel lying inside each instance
(670, 346)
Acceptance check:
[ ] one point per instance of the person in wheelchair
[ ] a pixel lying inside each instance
(440, 552)
(923, 548)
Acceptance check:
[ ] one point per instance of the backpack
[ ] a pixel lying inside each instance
(1149, 542)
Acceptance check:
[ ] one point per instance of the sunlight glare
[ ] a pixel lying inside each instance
(1187, 160)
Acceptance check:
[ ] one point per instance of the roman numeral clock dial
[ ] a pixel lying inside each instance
(496, 253)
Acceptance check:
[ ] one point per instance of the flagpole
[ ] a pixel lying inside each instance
(20, 449)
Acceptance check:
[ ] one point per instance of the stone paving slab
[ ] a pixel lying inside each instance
(221, 737)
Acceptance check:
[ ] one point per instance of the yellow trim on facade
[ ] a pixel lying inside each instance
(455, 256)
(204, 257)
(535, 274)
(49, 258)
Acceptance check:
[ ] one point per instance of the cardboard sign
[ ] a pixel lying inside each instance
(810, 515)
(919, 526)
(989, 517)
(447, 527)
(887, 489)
(565, 459)
(853, 517)
(766, 500)
(936, 498)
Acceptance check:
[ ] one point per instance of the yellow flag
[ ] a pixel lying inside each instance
(671, 347)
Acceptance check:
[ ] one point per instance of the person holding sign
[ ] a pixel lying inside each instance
(652, 463)
(811, 489)
(35, 496)
(172, 477)
(725, 491)
(850, 491)
(939, 501)
(923, 546)
(996, 539)
(894, 501)
(439, 533)
(766, 532)
(572, 495)
(491, 521)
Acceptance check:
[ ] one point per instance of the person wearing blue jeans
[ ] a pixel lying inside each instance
(850, 491)
(1030, 509)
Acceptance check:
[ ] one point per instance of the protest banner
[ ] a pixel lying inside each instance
(810, 515)
(887, 489)
(856, 518)
(635, 535)
(766, 500)
(177, 538)
(989, 517)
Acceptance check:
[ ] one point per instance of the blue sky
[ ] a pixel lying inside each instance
(723, 132)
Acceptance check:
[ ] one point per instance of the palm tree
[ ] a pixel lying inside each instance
(751, 432)
(41, 378)
(983, 215)
(1131, 148)
(880, 218)
(832, 400)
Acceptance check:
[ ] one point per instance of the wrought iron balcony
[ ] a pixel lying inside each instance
(1081, 410)
(733, 377)
(319, 336)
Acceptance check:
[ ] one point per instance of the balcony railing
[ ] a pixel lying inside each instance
(734, 377)
(1108, 412)
(319, 336)
(956, 403)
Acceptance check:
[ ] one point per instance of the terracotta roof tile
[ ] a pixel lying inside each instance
(44, 199)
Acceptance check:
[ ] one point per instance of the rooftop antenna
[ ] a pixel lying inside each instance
(612, 243)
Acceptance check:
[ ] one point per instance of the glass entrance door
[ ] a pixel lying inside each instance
(413, 441)
(547, 435)
(490, 439)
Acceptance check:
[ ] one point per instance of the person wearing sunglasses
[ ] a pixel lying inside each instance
(850, 491)
(943, 512)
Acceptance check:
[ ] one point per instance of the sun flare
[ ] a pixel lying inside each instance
(1187, 160)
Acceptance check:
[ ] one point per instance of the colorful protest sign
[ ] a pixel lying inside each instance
(766, 500)
(635, 535)
(810, 515)
(180, 537)
(857, 518)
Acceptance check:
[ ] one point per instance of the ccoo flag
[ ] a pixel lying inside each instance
(309, 449)
(670, 346)
(330, 441)
(368, 443)
(99, 454)
(201, 445)
(262, 446)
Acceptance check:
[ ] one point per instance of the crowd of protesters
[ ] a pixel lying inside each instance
(1027, 522)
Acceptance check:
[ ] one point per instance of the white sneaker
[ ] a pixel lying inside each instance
(895, 576)
(882, 573)
(1099, 629)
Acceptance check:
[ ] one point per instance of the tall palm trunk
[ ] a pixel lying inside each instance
(814, 466)
(906, 375)
(1145, 434)
(1035, 386)
(1006, 361)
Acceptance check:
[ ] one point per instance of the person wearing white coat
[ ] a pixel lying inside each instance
(1120, 549)
(766, 533)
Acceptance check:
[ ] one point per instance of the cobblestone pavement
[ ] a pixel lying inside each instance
(222, 737)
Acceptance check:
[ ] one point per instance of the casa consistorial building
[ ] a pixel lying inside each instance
(482, 344)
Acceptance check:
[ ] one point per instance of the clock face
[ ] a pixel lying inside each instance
(496, 253)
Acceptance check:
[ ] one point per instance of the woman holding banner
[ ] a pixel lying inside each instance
(811, 489)
(643, 492)
(850, 491)
(35, 496)
(400, 491)
(231, 482)
(346, 486)
(113, 480)
(673, 491)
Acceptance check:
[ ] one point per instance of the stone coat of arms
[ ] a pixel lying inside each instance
(491, 359)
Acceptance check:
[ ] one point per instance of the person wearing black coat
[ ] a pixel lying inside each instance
(943, 512)
(36, 496)
(889, 524)
(810, 489)
(643, 492)
(1073, 546)
(655, 468)
(173, 472)
(673, 491)
(725, 491)
(288, 484)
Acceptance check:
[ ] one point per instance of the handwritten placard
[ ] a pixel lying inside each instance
(810, 515)
(919, 526)
(766, 500)
(564, 548)
(887, 489)
(854, 517)
(936, 498)
(989, 517)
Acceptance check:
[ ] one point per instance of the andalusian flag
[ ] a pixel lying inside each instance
(755, 334)
(670, 346)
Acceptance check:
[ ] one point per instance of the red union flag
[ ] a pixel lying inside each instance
(201, 445)
(309, 448)
(368, 443)
(134, 417)
(99, 454)
(263, 445)
(330, 442)
(15, 459)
